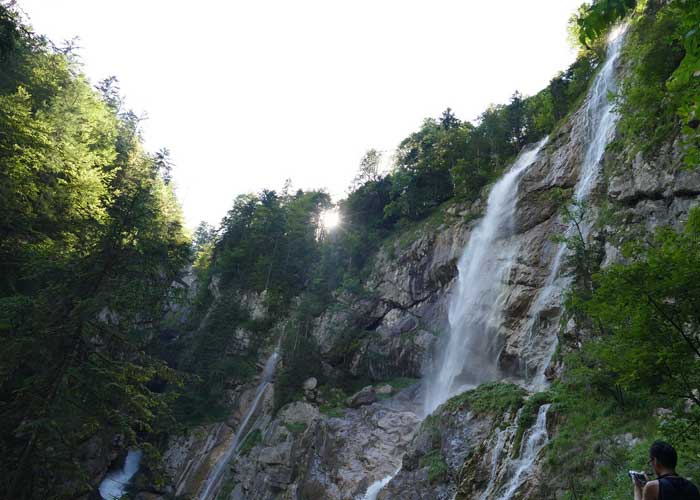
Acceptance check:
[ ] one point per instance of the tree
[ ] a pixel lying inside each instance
(648, 312)
(368, 170)
(516, 119)
(90, 241)
(164, 165)
(448, 120)
(203, 235)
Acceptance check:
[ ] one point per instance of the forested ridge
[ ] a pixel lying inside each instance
(93, 253)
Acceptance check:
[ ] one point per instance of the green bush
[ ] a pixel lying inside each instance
(437, 468)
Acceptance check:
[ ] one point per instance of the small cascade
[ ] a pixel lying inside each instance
(502, 436)
(475, 307)
(530, 448)
(212, 484)
(113, 486)
(597, 129)
(377, 486)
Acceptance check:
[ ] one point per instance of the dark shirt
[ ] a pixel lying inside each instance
(677, 488)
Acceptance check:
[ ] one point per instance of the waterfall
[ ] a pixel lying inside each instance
(502, 436)
(474, 308)
(597, 129)
(529, 451)
(212, 484)
(113, 486)
(377, 486)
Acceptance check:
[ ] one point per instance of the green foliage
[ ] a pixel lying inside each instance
(269, 242)
(649, 308)
(400, 383)
(658, 98)
(640, 353)
(90, 241)
(595, 20)
(333, 400)
(587, 455)
(208, 364)
(301, 359)
(437, 468)
(253, 439)
(295, 427)
(493, 397)
(226, 489)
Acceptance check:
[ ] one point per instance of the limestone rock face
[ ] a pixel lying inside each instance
(304, 454)
(405, 311)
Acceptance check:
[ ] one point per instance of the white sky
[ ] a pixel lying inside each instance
(248, 93)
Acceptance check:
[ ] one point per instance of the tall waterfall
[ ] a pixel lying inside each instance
(474, 309)
(596, 130)
(213, 482)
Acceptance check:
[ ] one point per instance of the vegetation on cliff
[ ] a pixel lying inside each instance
(631, 362)
(90, 241)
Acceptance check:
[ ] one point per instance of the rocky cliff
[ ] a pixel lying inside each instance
(473, 446)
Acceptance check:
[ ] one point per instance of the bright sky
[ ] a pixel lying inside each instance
(246, 94)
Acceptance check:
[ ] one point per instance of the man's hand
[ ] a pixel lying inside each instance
(648, 491)
(638, 487)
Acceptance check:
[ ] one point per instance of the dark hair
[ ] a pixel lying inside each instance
(664, 453)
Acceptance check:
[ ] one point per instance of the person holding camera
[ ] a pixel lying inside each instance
(667, 485)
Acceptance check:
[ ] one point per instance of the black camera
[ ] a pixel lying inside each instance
(638, 477)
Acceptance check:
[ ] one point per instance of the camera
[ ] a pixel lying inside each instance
(638, 477)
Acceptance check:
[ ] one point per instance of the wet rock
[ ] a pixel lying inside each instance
(304, 453)
(366, 396)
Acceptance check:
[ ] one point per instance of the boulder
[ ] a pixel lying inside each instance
(366, 396)
(384, 389)
(310, 384)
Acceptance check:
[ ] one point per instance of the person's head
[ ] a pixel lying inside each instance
(662, 457)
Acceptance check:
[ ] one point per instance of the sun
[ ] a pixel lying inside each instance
(330, 219)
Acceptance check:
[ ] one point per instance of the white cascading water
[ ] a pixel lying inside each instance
(597, 128)
(502, 437)
(475, 308)
(212, 484)
(532, 443)
(113, 486)
(376, 487)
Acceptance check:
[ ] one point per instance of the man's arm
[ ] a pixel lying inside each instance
(650, 492)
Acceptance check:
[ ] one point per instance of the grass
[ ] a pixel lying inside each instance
(437, 468)
(400, 383)
(251, 440)
(334, 401)
(586, 454)
(494, 397)
(295, 427)
(226, 489)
